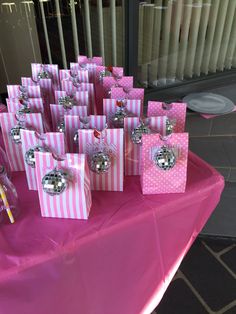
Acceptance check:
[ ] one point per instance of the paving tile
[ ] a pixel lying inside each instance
(217, 245)
(223, 220)
(225, 124)
(230, 259)
(231, 311)
(197, 126)
(179, 299)
(212, 281)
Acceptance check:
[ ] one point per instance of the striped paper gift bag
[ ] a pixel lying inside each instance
(47, 91)
(175, 112)
(89, 143)
(15, 91)
(132, 150)
(127, 93)
(110, 106)
(35, 105)
(74, 123)
(70, 88)
(90, 64)
(33, 121)
(75, 201)
(58, 113)
(53, 142)
(164, 174)
(75, 74)
(52, 69)
(81, 98)
(99, 92)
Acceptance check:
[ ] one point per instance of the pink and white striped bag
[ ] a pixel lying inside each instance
(52, 69)
(154, 179)
(75, 202)
(74, 123)
(33, 121)
(54, 142)
(14, 91)
(110, 106)
(47, 91)
(90, 64)
(176, 112)
(127, 93)
(70, 88)
(113, 179)
(99, 90)
(36, 106)
(81, 98)
(132, 150)
(58, 113)
(82, 76)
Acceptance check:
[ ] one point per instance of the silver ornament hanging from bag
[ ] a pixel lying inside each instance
(15, 133)
(30, 156)
(118, 117)
(100, 162)
(169, 126)
(61, 127)
(43, 75)
(165, 158)
(67, 102)
(137, 133)
(104, 73)
(55, 182)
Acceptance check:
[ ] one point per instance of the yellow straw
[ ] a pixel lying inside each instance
(6, 204)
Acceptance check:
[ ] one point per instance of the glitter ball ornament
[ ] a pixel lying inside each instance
(30, 157)
(103, 74)
(67, 102)
(137, 133)
(100, 162)
(55, 182)
(43, 75)
(15, 133)
(169, 127)
(118, 118)
(76, 137)
(61, 127)
(165, 158)
(24, 109)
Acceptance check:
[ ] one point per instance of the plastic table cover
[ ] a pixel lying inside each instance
(119, 261)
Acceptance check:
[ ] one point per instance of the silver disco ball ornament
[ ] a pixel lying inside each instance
(55, 182)
(61, 127)
(24, 109)
(43, 75)
(169, 127)
(67, 102)
(76, 137)
(103, 74)
(137, 133)
(118, 118)
(165, 158)
(15, 133)
(100, 162)
(30, 157)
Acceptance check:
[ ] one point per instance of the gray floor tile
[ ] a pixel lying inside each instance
(230, 259)
(215, 285)
(231, 311)
(179, 299)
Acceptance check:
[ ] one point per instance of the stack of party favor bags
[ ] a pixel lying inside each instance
(83, 129)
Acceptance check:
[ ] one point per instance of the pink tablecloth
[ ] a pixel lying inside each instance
(120, 261)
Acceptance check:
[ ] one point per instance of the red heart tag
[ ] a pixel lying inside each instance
(110, 68)
(119, 103)
(96, 133)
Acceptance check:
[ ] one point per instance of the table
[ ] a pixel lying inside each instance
(120, 261)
